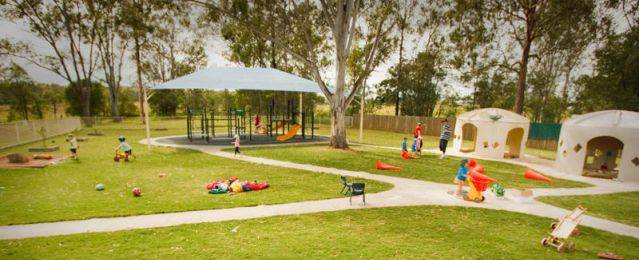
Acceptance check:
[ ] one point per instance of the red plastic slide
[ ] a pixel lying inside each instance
(381, 166)
(533, 175)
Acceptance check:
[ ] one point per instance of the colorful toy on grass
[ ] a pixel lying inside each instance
(498, 190)
(119, 155)
(137, 192)
(533, 175)
(478, 183)
(234, 185)
(381, 166)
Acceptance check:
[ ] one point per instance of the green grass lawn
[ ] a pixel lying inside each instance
(545, 154)
(429, 167)
(384, 138)
(66, 191)
(622, 207)
(404, 232)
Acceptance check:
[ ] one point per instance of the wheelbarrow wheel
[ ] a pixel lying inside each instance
(561, 248)
(575, 232)
(544, 241)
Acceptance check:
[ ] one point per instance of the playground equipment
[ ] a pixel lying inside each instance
(533, 175)
(119, 155)
(563, 230)
(381, 166)
(478, 183)
(492, 132)
(290, 134)
(205, 123)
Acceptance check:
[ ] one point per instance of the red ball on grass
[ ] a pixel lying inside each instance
(136, 192)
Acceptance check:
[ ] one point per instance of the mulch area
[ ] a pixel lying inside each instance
(33, 163)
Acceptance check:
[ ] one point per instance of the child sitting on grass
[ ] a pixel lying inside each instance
(73, 142)
(125, 148)
(460, 178)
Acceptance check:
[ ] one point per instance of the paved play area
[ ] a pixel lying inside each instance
(224, 140)
(412, 192)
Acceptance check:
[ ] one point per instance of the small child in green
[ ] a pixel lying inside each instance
(125, 147)
(73, 142)
(460, 178)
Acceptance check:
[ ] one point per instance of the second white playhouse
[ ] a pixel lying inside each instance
(600, 144)
(491, 132)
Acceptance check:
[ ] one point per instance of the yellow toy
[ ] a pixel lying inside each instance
(478, 183)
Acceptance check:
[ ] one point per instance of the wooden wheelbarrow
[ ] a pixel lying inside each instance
(563, 230)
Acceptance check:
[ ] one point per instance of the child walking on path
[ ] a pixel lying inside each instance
(443, 138)
(236, 144)
(73, 142)
(460, 178)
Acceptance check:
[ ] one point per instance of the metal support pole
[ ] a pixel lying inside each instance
(146, 119)
(361, 113)
(312, 124)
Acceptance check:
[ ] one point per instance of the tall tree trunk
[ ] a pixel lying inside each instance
(399, 69)
(338, 127)
(85, 95)
(115, 112)
(138, 64)
(521, 81)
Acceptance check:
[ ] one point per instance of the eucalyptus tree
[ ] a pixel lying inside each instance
(112, 46)
(323, 29)
(507, 34)
(69, 32)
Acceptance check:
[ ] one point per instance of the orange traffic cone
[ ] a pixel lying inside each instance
(406, 155)
(381, 166)
(478, 176)
(533, 175)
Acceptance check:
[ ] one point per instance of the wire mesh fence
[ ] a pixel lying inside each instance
(21, 132)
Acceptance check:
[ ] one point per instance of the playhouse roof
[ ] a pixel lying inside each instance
(606, 118)
(235, 78)
(487, 114)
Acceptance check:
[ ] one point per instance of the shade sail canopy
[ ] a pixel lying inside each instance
(221, 78)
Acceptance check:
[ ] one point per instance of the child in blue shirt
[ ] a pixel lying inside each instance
(460, 178)
(405, 145)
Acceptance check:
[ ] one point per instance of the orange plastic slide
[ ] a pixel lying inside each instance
(292, 132)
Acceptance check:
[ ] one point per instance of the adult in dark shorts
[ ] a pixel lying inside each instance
(443, 138)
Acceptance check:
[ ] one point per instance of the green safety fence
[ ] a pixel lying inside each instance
(544, 131)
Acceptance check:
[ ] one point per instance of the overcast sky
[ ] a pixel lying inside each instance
(216, 50)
